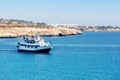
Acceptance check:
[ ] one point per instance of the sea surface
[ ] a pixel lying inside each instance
(90, 56)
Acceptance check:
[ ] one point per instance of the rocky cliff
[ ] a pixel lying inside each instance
(43, 31)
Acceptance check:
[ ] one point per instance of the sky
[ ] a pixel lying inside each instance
(83, 12)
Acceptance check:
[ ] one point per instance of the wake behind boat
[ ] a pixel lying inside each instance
(34, 44)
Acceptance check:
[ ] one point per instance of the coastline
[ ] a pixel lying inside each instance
(14, 32)
(16, 28)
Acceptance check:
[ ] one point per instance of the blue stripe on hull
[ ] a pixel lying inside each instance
(38, 51)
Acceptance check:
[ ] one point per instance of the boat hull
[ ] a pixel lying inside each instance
(47, 50)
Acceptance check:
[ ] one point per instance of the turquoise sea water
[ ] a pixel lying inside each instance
(90, 56)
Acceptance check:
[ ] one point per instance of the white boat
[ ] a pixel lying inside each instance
(34, 44)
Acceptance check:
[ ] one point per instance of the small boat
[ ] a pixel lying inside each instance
(34, 44)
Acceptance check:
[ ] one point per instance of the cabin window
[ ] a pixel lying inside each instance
(31, 46)
(35, 46)
(28, 46)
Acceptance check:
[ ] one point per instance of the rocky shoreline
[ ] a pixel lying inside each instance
(13, 32)
(17, 28)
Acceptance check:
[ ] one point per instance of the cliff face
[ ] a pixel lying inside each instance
(47, 31)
